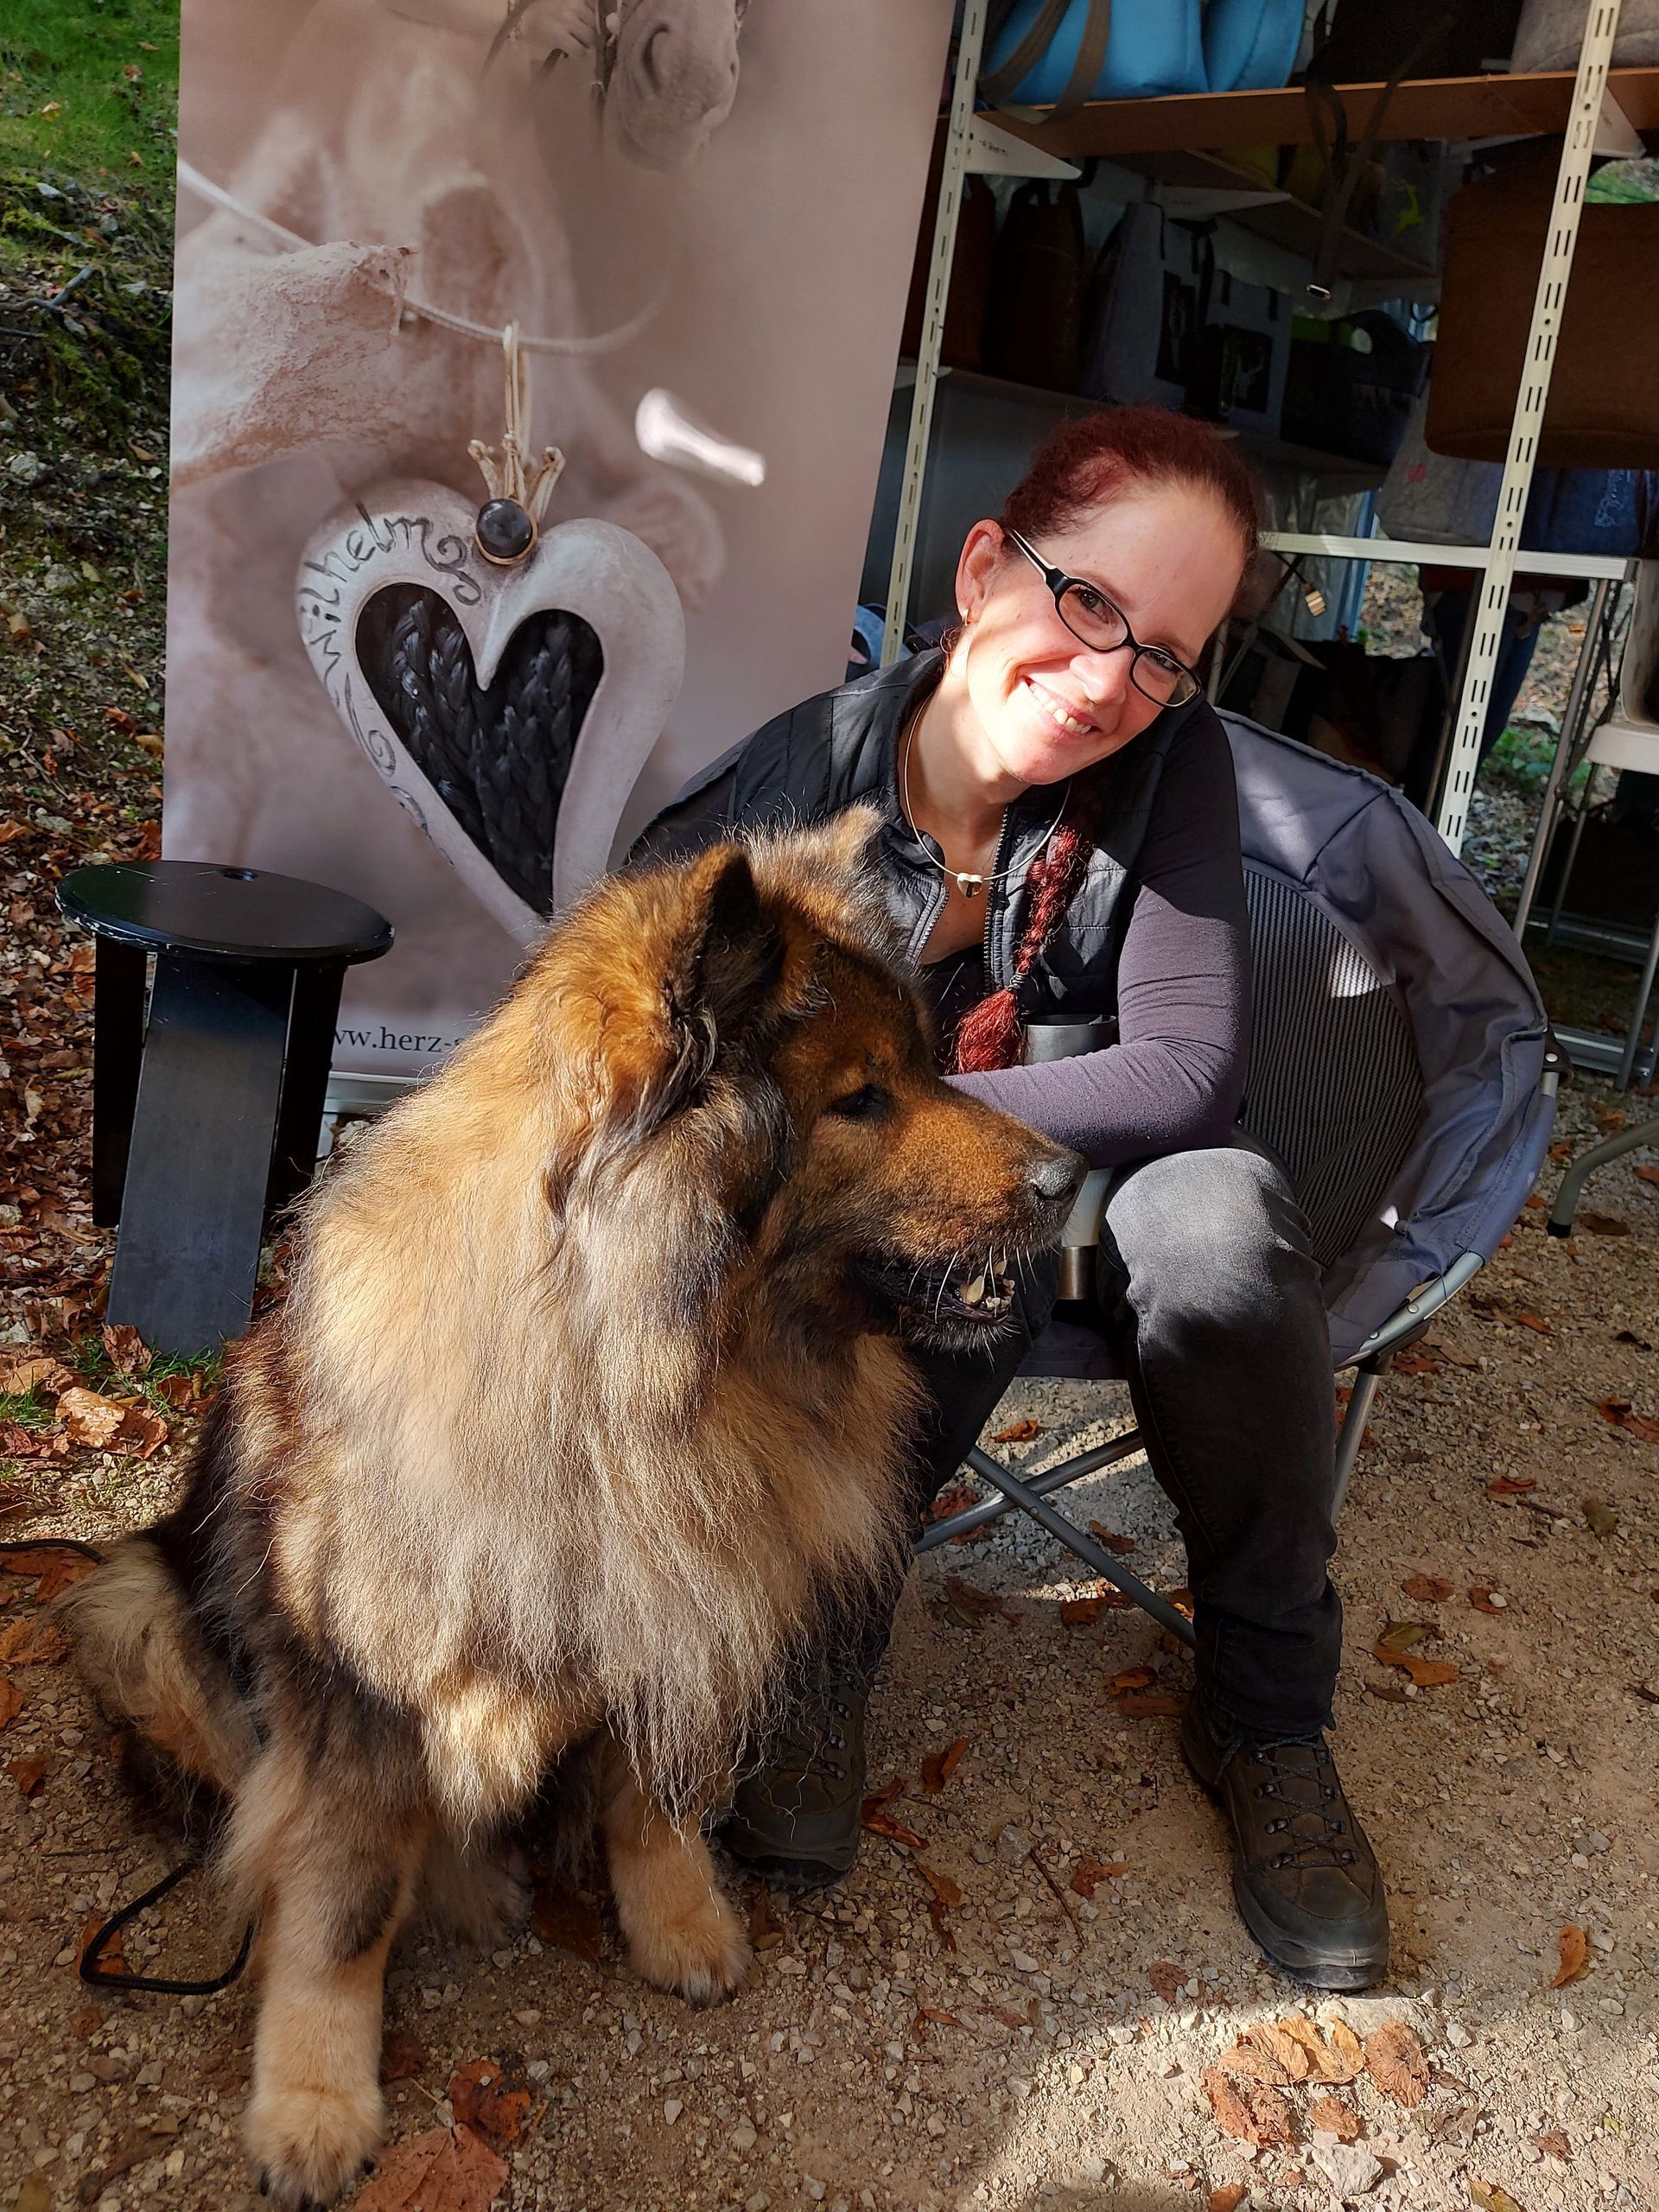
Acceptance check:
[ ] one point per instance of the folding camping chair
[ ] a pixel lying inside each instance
(1401, 1067)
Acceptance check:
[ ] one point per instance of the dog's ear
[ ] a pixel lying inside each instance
(723, 967)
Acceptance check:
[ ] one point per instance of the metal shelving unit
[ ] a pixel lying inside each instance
(1594, 114)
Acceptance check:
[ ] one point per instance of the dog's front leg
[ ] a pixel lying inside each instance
(337, 1868)
(682, 1934)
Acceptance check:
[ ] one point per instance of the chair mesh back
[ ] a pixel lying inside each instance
(1334, 1085)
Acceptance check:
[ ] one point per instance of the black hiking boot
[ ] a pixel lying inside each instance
(1307, 1882)
(796, 1820)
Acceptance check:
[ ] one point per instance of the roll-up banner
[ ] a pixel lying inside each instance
(532, 364)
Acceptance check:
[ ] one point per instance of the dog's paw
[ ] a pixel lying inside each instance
(308, 2143)
(481, 1897)
(700, 1954)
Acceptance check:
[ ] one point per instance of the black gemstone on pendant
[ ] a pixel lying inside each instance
(505, 532)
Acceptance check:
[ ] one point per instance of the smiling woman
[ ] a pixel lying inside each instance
(1059, 843)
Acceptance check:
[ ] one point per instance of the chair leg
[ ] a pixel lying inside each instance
(117, 1049)
(187, 1255)
(1085, 1548)
(1366, 1379)
(1566, 1198)
(1051, 1478)
(305, 1083)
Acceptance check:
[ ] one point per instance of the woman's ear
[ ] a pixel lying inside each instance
(982, 551)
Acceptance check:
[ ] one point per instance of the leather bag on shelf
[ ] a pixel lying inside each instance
(1363, 41)
(1350, 385)
(966, 301)
(1060, 54)
(1033, 331)
(1603, 409)
(1551, 32)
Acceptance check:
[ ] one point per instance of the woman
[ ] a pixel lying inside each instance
(1061, 838)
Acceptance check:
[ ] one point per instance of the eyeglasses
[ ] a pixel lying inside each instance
(1094, 621)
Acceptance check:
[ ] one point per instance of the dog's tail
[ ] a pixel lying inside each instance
(147, 1664)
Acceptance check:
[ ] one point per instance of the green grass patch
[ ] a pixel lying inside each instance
(1521, 756)
(93, 1364)
(88, 88)
(26, 1408)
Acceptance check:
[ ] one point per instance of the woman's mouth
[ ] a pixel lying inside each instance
(1069, 720)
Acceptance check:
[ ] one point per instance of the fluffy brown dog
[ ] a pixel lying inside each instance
(586, 1397)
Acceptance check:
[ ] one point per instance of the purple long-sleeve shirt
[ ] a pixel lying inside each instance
(1174, 1079)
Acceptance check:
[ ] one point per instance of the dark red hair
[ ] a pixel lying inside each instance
(1080, 468)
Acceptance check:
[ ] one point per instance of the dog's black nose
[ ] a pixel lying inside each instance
(1060, 1176)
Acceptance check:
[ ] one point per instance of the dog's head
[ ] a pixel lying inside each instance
(764, 1121)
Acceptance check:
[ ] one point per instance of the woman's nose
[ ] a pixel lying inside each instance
(1104, 676)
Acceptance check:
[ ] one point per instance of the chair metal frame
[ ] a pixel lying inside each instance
(1031, 1496)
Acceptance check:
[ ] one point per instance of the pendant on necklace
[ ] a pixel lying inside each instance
(971, 885)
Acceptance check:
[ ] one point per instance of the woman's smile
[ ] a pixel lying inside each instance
(1068, 716)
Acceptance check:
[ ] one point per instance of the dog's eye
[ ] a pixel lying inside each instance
(863, 1105)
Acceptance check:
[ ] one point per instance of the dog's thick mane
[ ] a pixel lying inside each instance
(561, 1420)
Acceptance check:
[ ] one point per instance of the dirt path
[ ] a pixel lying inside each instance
(1026, 2046)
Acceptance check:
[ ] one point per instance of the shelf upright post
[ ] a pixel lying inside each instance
(1577, 142)
(957, 138)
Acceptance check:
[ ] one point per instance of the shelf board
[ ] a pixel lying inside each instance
(1334, 468)
(1427, 107)
(1286, 222)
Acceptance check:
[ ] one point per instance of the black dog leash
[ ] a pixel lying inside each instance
(88, 1967)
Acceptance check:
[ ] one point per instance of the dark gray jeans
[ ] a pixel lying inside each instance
(1211, 1299)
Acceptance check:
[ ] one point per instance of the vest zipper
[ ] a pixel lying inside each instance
(993, 890)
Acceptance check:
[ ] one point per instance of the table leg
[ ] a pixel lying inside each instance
(305, 1081)
(117, 1048)
(188, 1252)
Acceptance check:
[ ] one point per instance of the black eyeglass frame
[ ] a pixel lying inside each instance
(1060, 584)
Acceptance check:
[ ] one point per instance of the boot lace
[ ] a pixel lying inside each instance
(816, 1735)
(1315, 1823)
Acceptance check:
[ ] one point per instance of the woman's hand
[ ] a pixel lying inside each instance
(557, 26)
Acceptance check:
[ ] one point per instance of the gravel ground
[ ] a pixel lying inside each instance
(982, 2033)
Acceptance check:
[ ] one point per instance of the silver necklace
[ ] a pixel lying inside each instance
(968, 884)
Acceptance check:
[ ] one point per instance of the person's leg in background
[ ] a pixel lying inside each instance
(1222, 1322)
(796, 1814)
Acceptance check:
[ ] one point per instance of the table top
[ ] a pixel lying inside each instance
(223, 913)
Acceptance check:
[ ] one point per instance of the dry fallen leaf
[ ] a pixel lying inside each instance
(1020, 1432)
(1131, 1678)
(1330, 2116)
(1527, 1319)
(932, 2012)
(1416, 1362)
(1121, 1545)
(27, 1774)
(1488, 1601)
(941, 1884)
(561, 1915)
(402, 2056)
(1555, 2145)
(442, 2171)
(1249, 2111)
(66, 1568)
(1089, 1873)
(1490, 2197)
(493, 2098)
(144, 1430)
(938, 1766)
(1603, 1224)
(111, 1960)
(32, 1641)
(90, 1419)
(128, 1352)
(1227, 2196)
(11, 1700)
(1510, 1485)
(1327, 2061)
(1168, 1980)
(876, 1818)
(1426, 1589)
(1575, 1948)
(1602, 1521)
(1145, 1704)
(1647, 1174)
(34, 1371)
(1396, 2061)
(969, 1599)
(1250, 2060)
(1082, 1612)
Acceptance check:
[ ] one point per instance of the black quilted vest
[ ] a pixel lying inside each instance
(840, 749)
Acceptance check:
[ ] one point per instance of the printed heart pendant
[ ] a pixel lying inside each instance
(510, 710)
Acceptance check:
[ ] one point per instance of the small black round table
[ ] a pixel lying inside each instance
(206, 1111)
